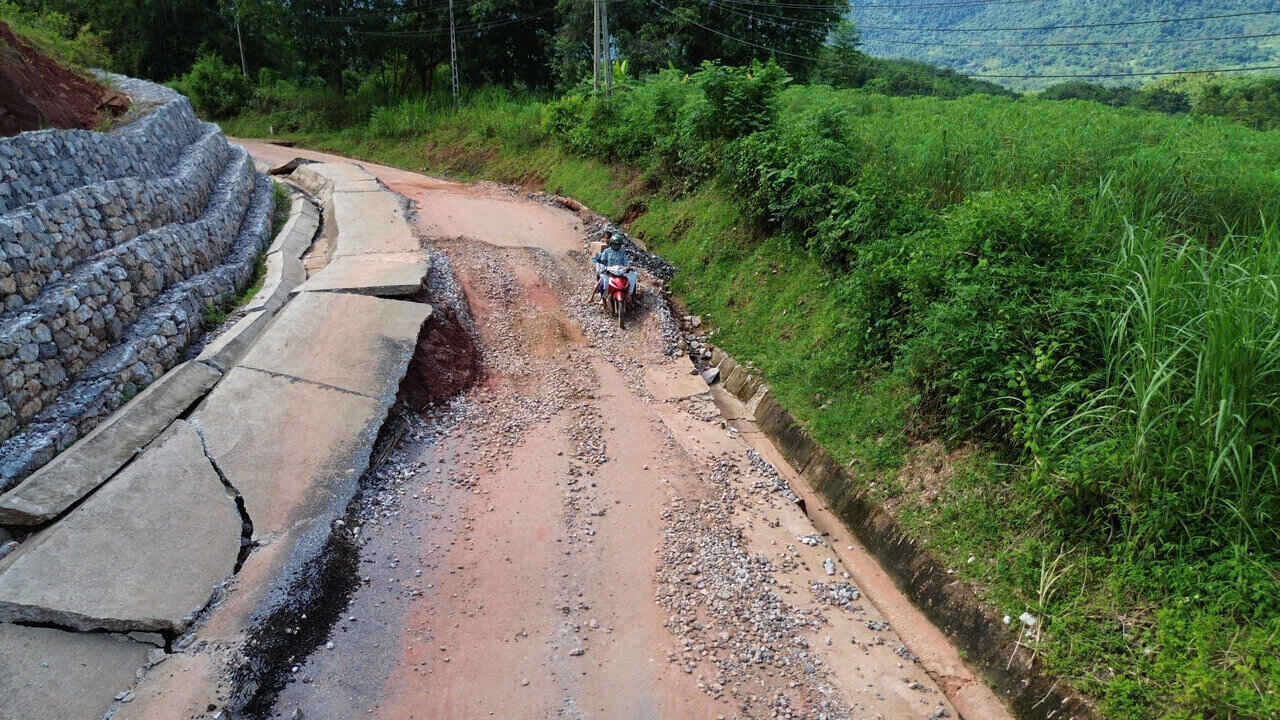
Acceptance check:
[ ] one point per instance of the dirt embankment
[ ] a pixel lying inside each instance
(36, 92)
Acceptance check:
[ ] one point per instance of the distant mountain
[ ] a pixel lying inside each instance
(1152, 47)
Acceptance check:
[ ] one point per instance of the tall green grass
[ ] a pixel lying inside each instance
(1186, 421)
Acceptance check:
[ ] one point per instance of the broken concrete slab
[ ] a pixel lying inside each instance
(93, 459)
(310, 179)
(372, 222)
(734, 380)
(145, 552)
(288, 446)
(383, 274)
(323, 180)
(339, 174)
(352, 342)
(288, 167)
(51, 674)
(224, 351)
(750, 385)
(299, 230)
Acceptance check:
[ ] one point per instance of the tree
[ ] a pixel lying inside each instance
(655, 34)
(842, 64)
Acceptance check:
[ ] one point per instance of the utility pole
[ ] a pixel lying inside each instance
(453, 56)
(595, 45)
(608, 56)
(244, 67)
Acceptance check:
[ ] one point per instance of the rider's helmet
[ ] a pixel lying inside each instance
(615, 240)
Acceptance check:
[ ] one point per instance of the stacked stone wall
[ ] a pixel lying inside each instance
(105, 279)
(39, 165)
(44, 240)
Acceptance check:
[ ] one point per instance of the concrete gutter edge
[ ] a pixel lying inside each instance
(284, 258)
(97, 457)
(953, 606)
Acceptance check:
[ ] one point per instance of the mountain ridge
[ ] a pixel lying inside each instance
(966, 43)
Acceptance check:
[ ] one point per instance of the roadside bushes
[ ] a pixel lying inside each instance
(216, 89)
(980, 255)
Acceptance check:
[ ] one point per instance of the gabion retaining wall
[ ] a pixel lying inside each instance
(111, 247)
(44, 240)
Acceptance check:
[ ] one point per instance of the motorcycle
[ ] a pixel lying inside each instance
(615, 291)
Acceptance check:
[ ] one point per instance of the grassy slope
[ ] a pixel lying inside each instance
(1143, 650)
(56, 36)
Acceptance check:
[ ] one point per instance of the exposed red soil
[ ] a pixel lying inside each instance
(36, 92)
(446, 362)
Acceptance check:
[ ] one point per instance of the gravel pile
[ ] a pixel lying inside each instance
(836, 593)
(727, 615)
(766, 477)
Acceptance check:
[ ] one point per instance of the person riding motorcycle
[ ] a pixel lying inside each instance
(611, 256)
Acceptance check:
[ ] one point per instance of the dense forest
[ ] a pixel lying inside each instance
(977, 38)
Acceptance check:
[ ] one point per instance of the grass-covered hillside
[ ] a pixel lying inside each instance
(56, 35)
(942, 34)
(1044, 333)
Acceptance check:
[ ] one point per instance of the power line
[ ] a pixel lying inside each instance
(1125, 23)
(1153, 73)
(1204, 71)
(734, 38)
(1122, 23)
(383, 14)
(1091, 43)
(962, 3)
(475, 27)
(855, 6)
(784, 20)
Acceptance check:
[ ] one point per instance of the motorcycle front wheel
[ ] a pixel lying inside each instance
(617, 308)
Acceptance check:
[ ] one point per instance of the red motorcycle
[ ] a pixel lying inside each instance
(615, 291)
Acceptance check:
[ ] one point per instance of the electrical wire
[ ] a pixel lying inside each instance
(1091, 43)
(1153, 73)
(1120, 23)
(475, 27)
(784, 21)
(1125, 23)
(1201, 71)
(845, 7)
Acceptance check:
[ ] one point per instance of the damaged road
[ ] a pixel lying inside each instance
(471, 497)
(569, 528)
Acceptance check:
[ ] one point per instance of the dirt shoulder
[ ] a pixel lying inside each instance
(36, 92)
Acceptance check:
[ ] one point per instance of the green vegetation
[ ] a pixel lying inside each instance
(216, 89)
(215, 314)
(1067, 308)
(56, 35)
(1252, 101)
(1152, 47)
(281, 203)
